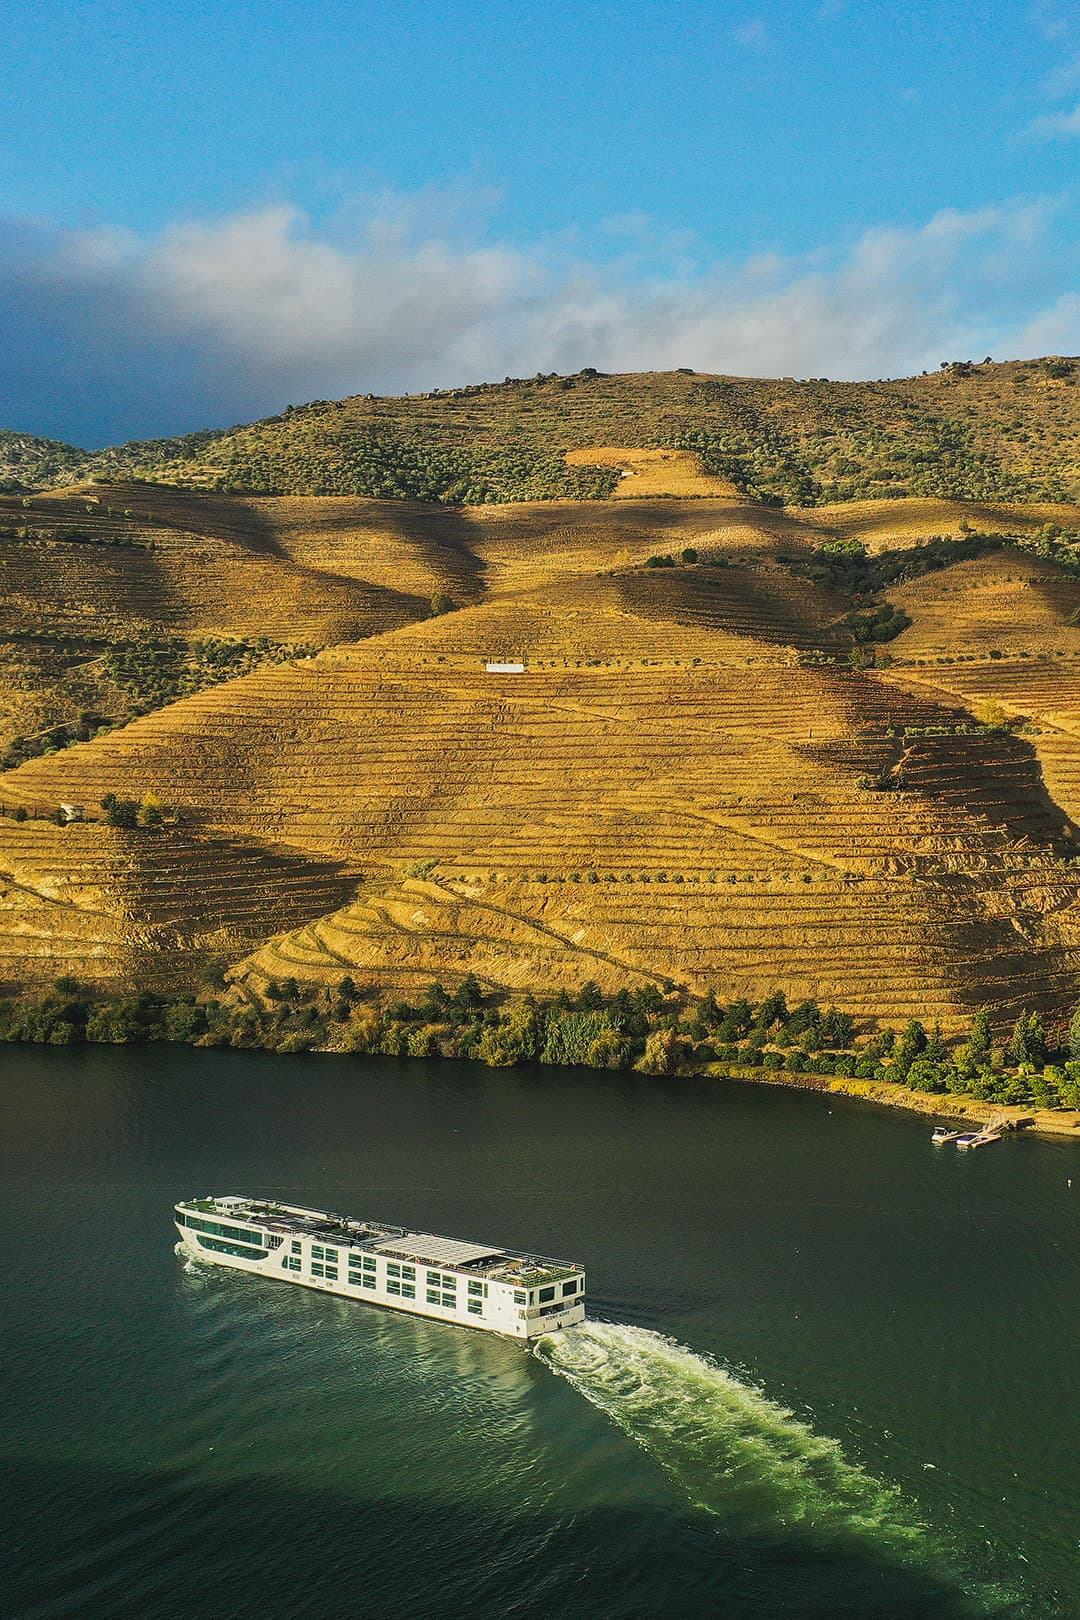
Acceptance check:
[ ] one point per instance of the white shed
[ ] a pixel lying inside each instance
(505, 669)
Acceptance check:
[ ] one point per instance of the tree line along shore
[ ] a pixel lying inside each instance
(646, 1030)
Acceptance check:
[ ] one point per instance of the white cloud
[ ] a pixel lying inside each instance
(106, 335)
(1055, 330)
(1063, 80)
(1055, 125)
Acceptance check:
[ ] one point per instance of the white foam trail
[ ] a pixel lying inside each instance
(735, 1453)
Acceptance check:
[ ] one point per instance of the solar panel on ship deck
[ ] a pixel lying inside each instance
(446, 1251)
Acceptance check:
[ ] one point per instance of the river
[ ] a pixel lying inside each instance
(829, 1371)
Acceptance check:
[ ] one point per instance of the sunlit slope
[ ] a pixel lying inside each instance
(128, 563)
(1004, 604)
(644, 473)
(110, 907)
(674, 791)
(885, 524)
(690, 824)
(101, 568)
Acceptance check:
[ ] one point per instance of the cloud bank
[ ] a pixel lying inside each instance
(105, 335)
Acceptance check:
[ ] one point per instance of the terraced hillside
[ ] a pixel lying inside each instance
(693, 782)
(972, 432)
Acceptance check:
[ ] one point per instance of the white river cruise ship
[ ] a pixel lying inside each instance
(472, 1284)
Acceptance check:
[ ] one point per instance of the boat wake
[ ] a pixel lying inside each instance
(735, 1453)
(761, 1473)
(193, 1266)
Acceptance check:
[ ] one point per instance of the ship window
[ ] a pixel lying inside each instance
(450, 1301)
(569, 1288)
(409, 1271)
(368, 1282)
(476, 1306)
(294, 1262)
(244, 1252)
(296, 1245)
(331, 1272)
(547, 1293)
(393, 1288)
(519, 1296)
(435, 1278)
(479, 1288)
(369, 1262)
(408, 1291)
(392, 1269)
(434, 1297)
(242, 1234)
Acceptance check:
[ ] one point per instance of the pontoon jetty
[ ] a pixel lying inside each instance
(472, 1284)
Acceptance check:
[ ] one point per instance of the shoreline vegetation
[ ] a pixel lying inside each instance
(1027, 1079)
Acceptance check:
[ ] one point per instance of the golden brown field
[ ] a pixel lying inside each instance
(678, 789)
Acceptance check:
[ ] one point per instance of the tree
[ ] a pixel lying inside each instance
(213, 972)
(773, 1010)
(436, 1000)
(442, 603)
(469, 992)
(936, 1050)
(925, 1075)
(149, 813)
(1027, 1043)
(1073, 1037)
(121, 812)
(837, 1028)
(663, 1051)
(912, 1044)
(807, 1015)
(978, 1048)
(572, 1035)
(590, 997)
(736, 1021)
(647, 999)
(689, 554)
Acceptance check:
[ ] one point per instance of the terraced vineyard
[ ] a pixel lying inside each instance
(694, 782)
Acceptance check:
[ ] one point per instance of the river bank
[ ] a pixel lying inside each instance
(969, 1110)
(1028, 1080)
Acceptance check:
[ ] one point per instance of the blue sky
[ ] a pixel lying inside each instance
(210, 210)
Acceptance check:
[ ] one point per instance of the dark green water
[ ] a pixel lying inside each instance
(834, 1371)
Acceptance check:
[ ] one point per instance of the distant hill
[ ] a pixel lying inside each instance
(1005, 432)
(29, 463)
